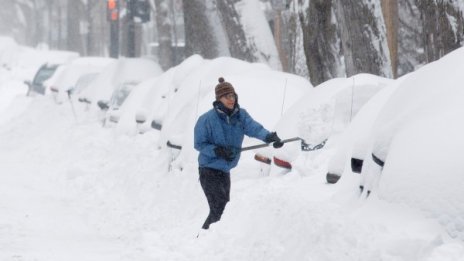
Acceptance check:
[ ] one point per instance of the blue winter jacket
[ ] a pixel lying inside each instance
(216, 128)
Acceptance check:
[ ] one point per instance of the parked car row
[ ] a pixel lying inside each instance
(397, 139)
(69, 74)
(403, 131)
(134, 95)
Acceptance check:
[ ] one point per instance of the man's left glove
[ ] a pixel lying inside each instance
(272, 137)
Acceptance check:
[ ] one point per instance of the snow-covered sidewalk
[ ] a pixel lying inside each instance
(40, 220)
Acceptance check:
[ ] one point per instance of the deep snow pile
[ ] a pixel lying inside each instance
(114, 195)
(72, 190)
(418, 135)
(426, 152)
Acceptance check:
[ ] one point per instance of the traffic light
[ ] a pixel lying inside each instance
(139, 10)
(112, 10)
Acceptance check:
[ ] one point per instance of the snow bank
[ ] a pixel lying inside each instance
(72, 190)
(423, 166)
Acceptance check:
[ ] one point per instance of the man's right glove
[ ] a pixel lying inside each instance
(226, 153)
(272, 137)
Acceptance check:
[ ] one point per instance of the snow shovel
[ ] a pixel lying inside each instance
(267, 144)
(304, 145)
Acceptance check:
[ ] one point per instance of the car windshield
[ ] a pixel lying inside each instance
(120, 95)
(44, 74)
(84, 81)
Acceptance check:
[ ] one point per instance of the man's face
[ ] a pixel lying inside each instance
(228, 100)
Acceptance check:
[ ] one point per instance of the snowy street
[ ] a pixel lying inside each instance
(71, 190)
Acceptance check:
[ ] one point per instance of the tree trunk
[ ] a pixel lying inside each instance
(442, 27)
(60, 22)
(363, 38)
(199, 33)
(164, 27)
(238, 45)
(73, 36)
(320, 37)
(280, 40)
(410, 50)
(38, 16)
(297, 62)
(98, 29)
(90, 46)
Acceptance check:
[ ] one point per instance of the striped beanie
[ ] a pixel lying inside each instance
(223, 88)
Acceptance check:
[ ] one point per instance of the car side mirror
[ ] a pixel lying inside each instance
(28, 83)
(84, 100)
(103, 105)
(155, 125)
(356, 165)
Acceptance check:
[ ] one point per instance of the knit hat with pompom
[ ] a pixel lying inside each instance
(223, 88)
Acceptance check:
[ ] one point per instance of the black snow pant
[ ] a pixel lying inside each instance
(216, 185)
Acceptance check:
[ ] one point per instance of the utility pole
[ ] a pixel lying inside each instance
(112, 7)
(131, 6)
(138, 11)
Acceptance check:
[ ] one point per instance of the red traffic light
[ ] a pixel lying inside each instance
(111, 4)
(112, 10)
(114, 16)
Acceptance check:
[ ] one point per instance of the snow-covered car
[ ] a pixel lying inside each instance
(43, 65)
(186, 97)
(196, 94)
(68, 76)
(355, 141)
(146, 106)
(320, 115)
(83, 82)
(132, 115)
(118, 97)
(44, 73)
(127, 70)
(412, 148)
(156, 103)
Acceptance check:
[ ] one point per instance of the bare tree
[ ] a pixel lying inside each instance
(243, 40)
(22, 20)
(200, 37)
(363, 37)
(279, 24)
(288, 36)
(73, 35)
(442, 23)
(410, 50)
(96, 27)
(321, 39)
(238, 45)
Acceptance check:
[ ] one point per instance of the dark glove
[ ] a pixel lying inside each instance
(272, 137)
(226, 153)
